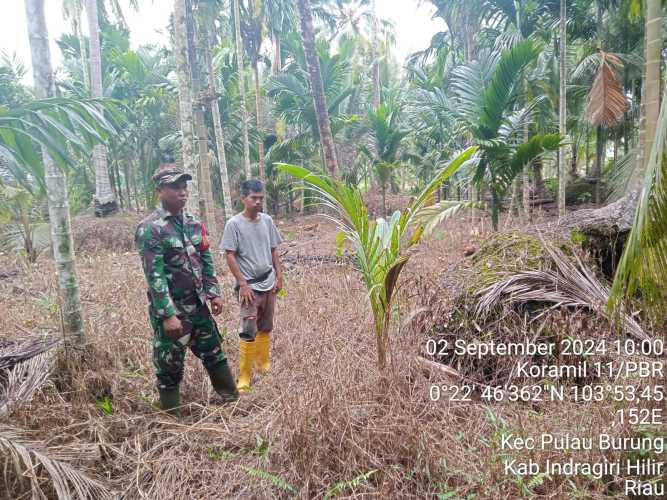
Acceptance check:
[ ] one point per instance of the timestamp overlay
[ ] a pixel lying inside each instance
(611, 394)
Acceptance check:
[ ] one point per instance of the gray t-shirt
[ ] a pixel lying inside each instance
(252, 242)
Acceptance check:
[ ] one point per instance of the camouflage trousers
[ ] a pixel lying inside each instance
(169, 353)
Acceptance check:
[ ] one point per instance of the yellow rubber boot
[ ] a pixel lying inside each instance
(246, 359)
(262, 359)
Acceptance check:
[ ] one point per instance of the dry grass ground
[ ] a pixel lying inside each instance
(323, 423)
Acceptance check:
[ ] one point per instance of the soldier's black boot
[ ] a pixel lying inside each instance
(223, 382)
(170, 401)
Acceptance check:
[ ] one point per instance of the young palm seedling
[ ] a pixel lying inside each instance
(380, 245)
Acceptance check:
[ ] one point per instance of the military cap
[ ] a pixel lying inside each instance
(169, 174)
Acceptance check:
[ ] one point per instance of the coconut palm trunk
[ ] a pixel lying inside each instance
(217, 126)
(206, 205)
(526, 131)
(276, 67)
(56, 186)
(105, 201)
(317, 88)
(185, 103)
(562, 108)
(241, 77)
(652, 80)
(73, 10)
(82, 51)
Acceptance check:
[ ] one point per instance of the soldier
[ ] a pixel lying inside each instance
(250, 243)
(179, 271)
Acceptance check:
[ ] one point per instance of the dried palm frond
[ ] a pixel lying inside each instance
(23, 380)
(567, 284)
(68, 482)
(15, 351)
(606, 100)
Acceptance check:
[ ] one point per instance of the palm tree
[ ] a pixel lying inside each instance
(375, 52)
(380, 246)
(241, 82)
(56, 186)
(293, 102)
(217, 124)
(484, 93)
(195, 46)
(105, 201)
(386, 134)
(185, 101)
(64, 127)
(281, 20)
(562, 107)
(643, 265)
(652, 79)
(317, 88)
(72, 10)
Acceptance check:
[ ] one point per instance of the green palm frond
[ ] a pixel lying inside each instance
(59, 125)
(484, 89)
(643, 265)
(433, 215)
(499, 90)
(379, 245)
(524, 154)
(617, 177)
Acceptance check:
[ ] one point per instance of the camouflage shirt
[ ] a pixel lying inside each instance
(177, 262)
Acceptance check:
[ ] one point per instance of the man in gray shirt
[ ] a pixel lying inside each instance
(250, 243)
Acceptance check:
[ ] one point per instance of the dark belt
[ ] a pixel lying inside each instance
(258, 279)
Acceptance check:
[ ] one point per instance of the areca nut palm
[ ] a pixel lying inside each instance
(643, 265)
(217, 123)
(185, 102)
(238, 44)
(316, 87)
(380, 246)
(386, 136)
(483, 96)
(61, 126)
(293, 101)
(72, 10)
(56, 187)
(562, 106)
(105, 201)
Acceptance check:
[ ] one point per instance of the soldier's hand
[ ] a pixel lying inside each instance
(246, 295)
(172, 327)
(216, 306)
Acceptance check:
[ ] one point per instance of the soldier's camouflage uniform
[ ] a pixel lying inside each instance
(181, 278)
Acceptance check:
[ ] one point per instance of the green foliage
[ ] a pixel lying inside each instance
(484, 93)
(59, 125)
(219, 454)
(22, 226)
(379, 246)
(274, 479)
(352, 483)
(578, 238)
(261, 446)
(105, 404)
(643, 265)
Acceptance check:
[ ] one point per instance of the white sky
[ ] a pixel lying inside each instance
(414, 27)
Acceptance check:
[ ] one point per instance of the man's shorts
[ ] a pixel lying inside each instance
(257, 316)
